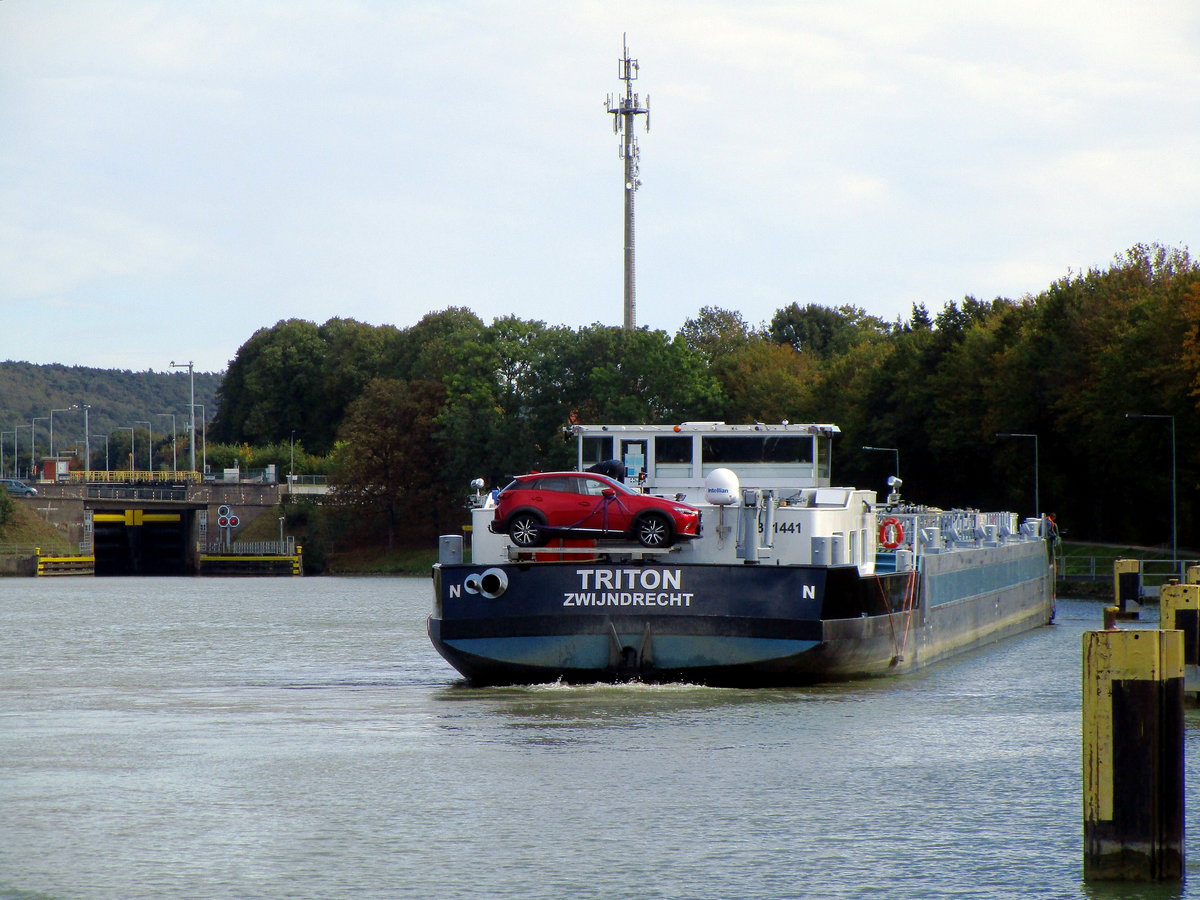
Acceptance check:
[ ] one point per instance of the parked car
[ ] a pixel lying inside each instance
(19, 488)
(533, 508)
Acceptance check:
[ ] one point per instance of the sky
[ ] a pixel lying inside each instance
(176, 175)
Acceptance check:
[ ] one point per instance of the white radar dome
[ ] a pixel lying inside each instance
(721, 487)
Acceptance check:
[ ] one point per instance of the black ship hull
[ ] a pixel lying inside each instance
(730, 625)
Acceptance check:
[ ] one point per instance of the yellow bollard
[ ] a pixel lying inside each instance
(1127, 586)
(1133, 755)
(1192, 576)
(1179, 609)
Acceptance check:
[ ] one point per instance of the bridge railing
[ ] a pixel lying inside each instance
(134, 476)
(136, 492)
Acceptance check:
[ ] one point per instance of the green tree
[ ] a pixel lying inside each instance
(717, 332)
(354, 353)
(606, 374)
(824, 330)
(387, 459)
(271, 385)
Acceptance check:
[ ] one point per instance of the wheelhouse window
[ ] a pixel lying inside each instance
(824, 457)
(757, 449)
(673, 456)
(595, 450)
(673, 449)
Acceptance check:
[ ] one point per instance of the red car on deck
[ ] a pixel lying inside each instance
(534, 508)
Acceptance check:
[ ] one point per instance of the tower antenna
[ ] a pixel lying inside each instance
(623, 110)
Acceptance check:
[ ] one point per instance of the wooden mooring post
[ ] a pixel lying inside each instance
(1133, 797)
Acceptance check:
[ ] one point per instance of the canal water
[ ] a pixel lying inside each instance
(213, 738)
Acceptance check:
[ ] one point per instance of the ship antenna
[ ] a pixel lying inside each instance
(623, 110)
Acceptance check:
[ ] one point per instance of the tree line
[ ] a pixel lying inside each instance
(125, 410)
(1102, 366)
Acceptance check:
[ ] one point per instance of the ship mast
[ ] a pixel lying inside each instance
(623, 110)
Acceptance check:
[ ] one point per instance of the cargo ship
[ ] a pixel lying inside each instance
(790, 580)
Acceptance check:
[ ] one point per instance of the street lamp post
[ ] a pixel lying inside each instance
(16, 446)
(1037, 503)
(1174, 546)
(889, 450)
(87, 441)
(105, 436)
(150, 455)
(292, 464)
(87, 438)
(52, 412)
(192, 408)
(33, 441)
(203, 433)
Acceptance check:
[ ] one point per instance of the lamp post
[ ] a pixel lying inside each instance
(150, 455)
(292, 464)
(203, 434)
(1174, 547)
(52, 412)
(33, 441)
(132, 442)
(1037, 503)
(16, 445)
(191, 408)
(87, 441)
(105, 436)
(889, 450)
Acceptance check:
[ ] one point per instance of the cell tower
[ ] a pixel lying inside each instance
(623, 110)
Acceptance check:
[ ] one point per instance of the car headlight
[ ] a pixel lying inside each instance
(684, 511)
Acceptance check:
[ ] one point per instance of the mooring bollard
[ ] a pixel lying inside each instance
(1133, 755)
(1127, 586)
(1179, 609)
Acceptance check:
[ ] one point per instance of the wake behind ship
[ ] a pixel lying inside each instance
(789, 579)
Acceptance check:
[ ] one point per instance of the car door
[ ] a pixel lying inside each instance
(560, 499)
(611, 511)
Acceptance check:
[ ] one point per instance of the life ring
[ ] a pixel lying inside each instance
(891, 533)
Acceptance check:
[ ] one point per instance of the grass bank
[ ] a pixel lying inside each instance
(27, 530)
(380, 561)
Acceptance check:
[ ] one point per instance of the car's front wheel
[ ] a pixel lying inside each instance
(654, 530)
(525, 530)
